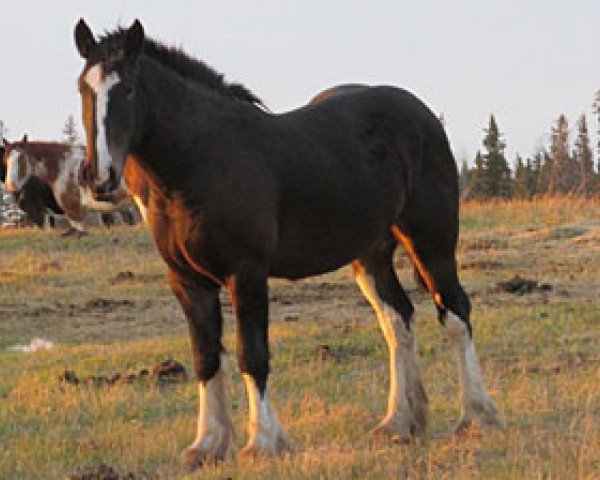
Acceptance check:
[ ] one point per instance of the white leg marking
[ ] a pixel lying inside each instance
(101, 86)
(475, 399)
(15, 179)
(265, 435)
(215, 430)
(407, 402)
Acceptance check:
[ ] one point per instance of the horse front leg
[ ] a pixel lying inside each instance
(199, 299)
(248, 289)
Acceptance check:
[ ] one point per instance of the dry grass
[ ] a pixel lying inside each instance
(539, 352)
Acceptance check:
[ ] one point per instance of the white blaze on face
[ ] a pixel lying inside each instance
(15, 178)
(101, 86)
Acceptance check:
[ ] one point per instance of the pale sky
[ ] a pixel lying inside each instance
(525, 61)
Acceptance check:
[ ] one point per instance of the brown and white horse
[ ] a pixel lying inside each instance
(58, 166)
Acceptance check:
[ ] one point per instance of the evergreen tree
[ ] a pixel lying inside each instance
(564, 177)
(522, 180)
(496, 166)
(479, 187)
(532, 175)
(3, 129)
(582, 156)
(464, 180)
(545, 165)
(70, 131)
(596, 110)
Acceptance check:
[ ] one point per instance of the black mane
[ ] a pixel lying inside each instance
(111, 46)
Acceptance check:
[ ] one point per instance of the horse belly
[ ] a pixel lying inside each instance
(303, 251)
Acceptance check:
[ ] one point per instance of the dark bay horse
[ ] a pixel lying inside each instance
(238, 194)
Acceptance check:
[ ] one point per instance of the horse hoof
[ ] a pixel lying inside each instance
(391, 430)
(486, 414)
(193, 459)
(280, 446)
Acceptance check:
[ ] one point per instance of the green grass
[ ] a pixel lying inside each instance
(539, 354)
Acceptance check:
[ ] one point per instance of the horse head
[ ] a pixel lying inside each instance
(17, 164)
(108, 88)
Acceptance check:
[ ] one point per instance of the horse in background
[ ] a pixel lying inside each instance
(35, 198)
(238, 195)
(33, 169)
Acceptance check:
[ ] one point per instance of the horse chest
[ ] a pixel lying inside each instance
(182, 241)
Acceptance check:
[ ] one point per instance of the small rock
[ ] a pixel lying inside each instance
(324, 353)
(68, 376)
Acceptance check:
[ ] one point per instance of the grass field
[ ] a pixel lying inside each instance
(540, 354)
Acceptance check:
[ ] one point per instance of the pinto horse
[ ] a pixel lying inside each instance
(35, 198)
(43, 166)
(238, 194)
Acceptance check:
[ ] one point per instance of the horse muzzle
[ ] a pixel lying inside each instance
(100, 188)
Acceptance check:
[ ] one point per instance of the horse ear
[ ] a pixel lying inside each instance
(84, 39)
(24, 140)
(134, 42)
(4, 142)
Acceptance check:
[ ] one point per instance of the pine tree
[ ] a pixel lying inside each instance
(522, 180)
(596, 110)
(3, 130)
(496, 166)
(582, 156)
(70, 131)
(532, 175)
(478, 180)
(564, 177)
(464, 180)
(545, 165)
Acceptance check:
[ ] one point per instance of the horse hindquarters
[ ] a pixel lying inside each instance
(428, 229)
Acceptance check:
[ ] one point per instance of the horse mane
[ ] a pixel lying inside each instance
(111, 45)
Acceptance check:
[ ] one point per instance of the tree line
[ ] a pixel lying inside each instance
(553, 170)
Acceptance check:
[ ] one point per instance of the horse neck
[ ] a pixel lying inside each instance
(177, 114)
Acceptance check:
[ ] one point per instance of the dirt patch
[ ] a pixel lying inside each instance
(484, 243)
(104, 472)
(49, 266)
(566, 233)
(128, 276)
(521, 286)
(107, 304)
(166, 372)
(481, 265)
(568, 362)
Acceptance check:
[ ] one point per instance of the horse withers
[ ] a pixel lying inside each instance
(238, 194)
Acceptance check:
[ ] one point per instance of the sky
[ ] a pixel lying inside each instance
(524, 61)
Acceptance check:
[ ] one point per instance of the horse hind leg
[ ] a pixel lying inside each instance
(407, 401)
(438, 270)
